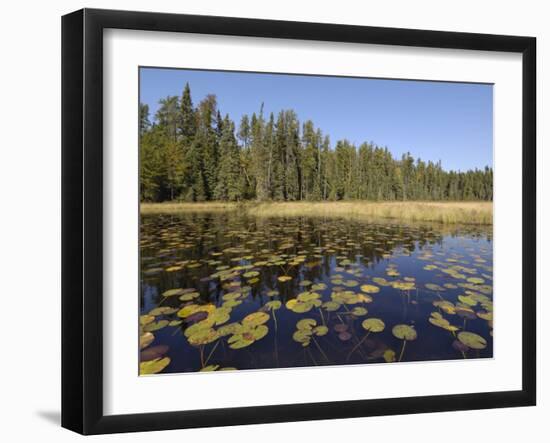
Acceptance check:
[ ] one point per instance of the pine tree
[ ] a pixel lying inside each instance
(229, 185)
(193, 154)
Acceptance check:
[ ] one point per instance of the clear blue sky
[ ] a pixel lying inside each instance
(451, 122)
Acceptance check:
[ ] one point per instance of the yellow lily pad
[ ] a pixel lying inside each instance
(145, 340)
(146, 319)
(389, 355)
(370, 289)
(320, 330)
(306, 324)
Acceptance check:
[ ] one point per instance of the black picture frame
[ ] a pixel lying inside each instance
(82, 219)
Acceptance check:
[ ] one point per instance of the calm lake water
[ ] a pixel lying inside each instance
(223, 291)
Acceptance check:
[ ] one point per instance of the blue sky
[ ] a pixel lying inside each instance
(451, 122)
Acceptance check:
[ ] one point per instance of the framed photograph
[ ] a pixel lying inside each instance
(269, 221)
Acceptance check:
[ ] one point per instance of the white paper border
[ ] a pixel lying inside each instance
(125, 392)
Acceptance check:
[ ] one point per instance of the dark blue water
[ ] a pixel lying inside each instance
(188, 252)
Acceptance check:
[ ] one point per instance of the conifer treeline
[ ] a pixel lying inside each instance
(193, 154)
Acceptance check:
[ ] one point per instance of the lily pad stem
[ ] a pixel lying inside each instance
(320, 350)
(274, 319)
(402, 350)
(201, 351)
(211, 352)
(312, 358)
(357, 346)
(322, 317)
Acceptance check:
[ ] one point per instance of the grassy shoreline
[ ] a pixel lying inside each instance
(476, 213)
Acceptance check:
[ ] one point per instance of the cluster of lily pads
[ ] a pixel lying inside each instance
(225, 295)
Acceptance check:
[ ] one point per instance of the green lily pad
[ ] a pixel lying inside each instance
(359, 311)
(467, 300)
(472, 340)
(273, 305)
(331, 306)
(162, 310)
(437, 319)
(307, 296)
(231, 296)
(255, 319)
(251, 274)
(231, 303)
(319, 287)
(189, 296)
(146, 319)
(404, 332)
(485, 315)
(445, 306)
(239, 341)
(230, 329)
(320, 330)
(153, 366)
(209, 368)
(155, 326)
(259, 332)
(203, 337)
(389, 355)
(173, 292)
(306, 324)
(373, 325)
(350, 283)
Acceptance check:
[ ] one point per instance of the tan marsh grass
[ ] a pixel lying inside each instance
(478, 213)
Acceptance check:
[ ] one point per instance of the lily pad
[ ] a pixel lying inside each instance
(437, 319)
(359, 311)
(472, 340)
(203, 337)
(306, 324)
(389, 355)
(153, 352)
(404, 332)
(255, 319)
(320, 330)
(153, 366)
(155, 326)
(344, 336)
(146, 319)
(370, 289)
(145, 340)
(273, 305)
(373, 325)
(173, 292)
(331, 306)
